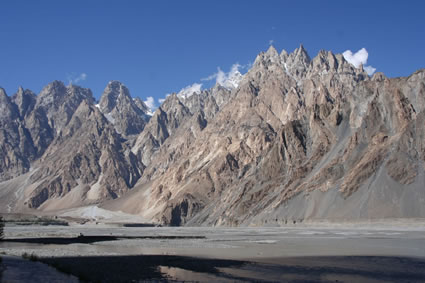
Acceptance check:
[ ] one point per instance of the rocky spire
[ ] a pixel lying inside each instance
(113, 93)
(25, 101)
(128, 115)
(297, 62)
(8, 110)
(302, 55)
(272, 52)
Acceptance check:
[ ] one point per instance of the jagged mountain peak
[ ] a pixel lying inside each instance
(299, 58)
(8, 109)
(283, 55)
(326, 59)
(54, 86)
(113, 93)
(171, 101)
(301, 51)
(118, 87)
(57, 103)
(299, 66)
(20, 90)
(128, 115)
(56, 93)
(297, 138)
(25, 100)
(3, 94)
(266, 58)
(81, 92)
(271, 51)
(324, 53)
(5, 100)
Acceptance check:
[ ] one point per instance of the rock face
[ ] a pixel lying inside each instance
(293, 139)
(76, 155)
(298, 139)
(16, 149)
(127, 115)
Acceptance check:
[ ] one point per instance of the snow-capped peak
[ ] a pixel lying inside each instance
(189, 90)
(231, 79)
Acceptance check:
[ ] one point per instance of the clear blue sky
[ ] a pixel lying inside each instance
(157, 47)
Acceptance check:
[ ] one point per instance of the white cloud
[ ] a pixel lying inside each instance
(370, 70)
(359, 58)
(210, 77)
(228, 80)
(221, 76)
(189, 90)
(271, 41)
(73, 79)
(150, 102)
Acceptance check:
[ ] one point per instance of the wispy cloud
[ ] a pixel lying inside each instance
(190, 90)
(359, 58)
(230, 79)
(73, 78)
(210, 77)
(271, 41)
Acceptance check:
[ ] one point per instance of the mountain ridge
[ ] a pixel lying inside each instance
(297, 139)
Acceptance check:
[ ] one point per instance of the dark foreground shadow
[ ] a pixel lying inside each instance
(302, 269)
(136, 268)
(1, 269)
(93, 239)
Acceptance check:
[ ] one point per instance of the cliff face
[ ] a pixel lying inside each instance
(294, 139)
(299, 139)
(68, 152)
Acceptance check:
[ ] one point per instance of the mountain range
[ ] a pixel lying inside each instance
(294, 139)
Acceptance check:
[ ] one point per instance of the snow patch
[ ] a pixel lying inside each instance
(231, 79)
(110, 118)
(189, 90)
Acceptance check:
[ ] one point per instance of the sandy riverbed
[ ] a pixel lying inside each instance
(372, 252)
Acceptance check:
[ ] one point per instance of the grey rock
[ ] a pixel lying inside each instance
(298, 139)
(128, 115)
(25, 101)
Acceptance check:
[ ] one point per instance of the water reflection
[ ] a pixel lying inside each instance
(180, 275)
